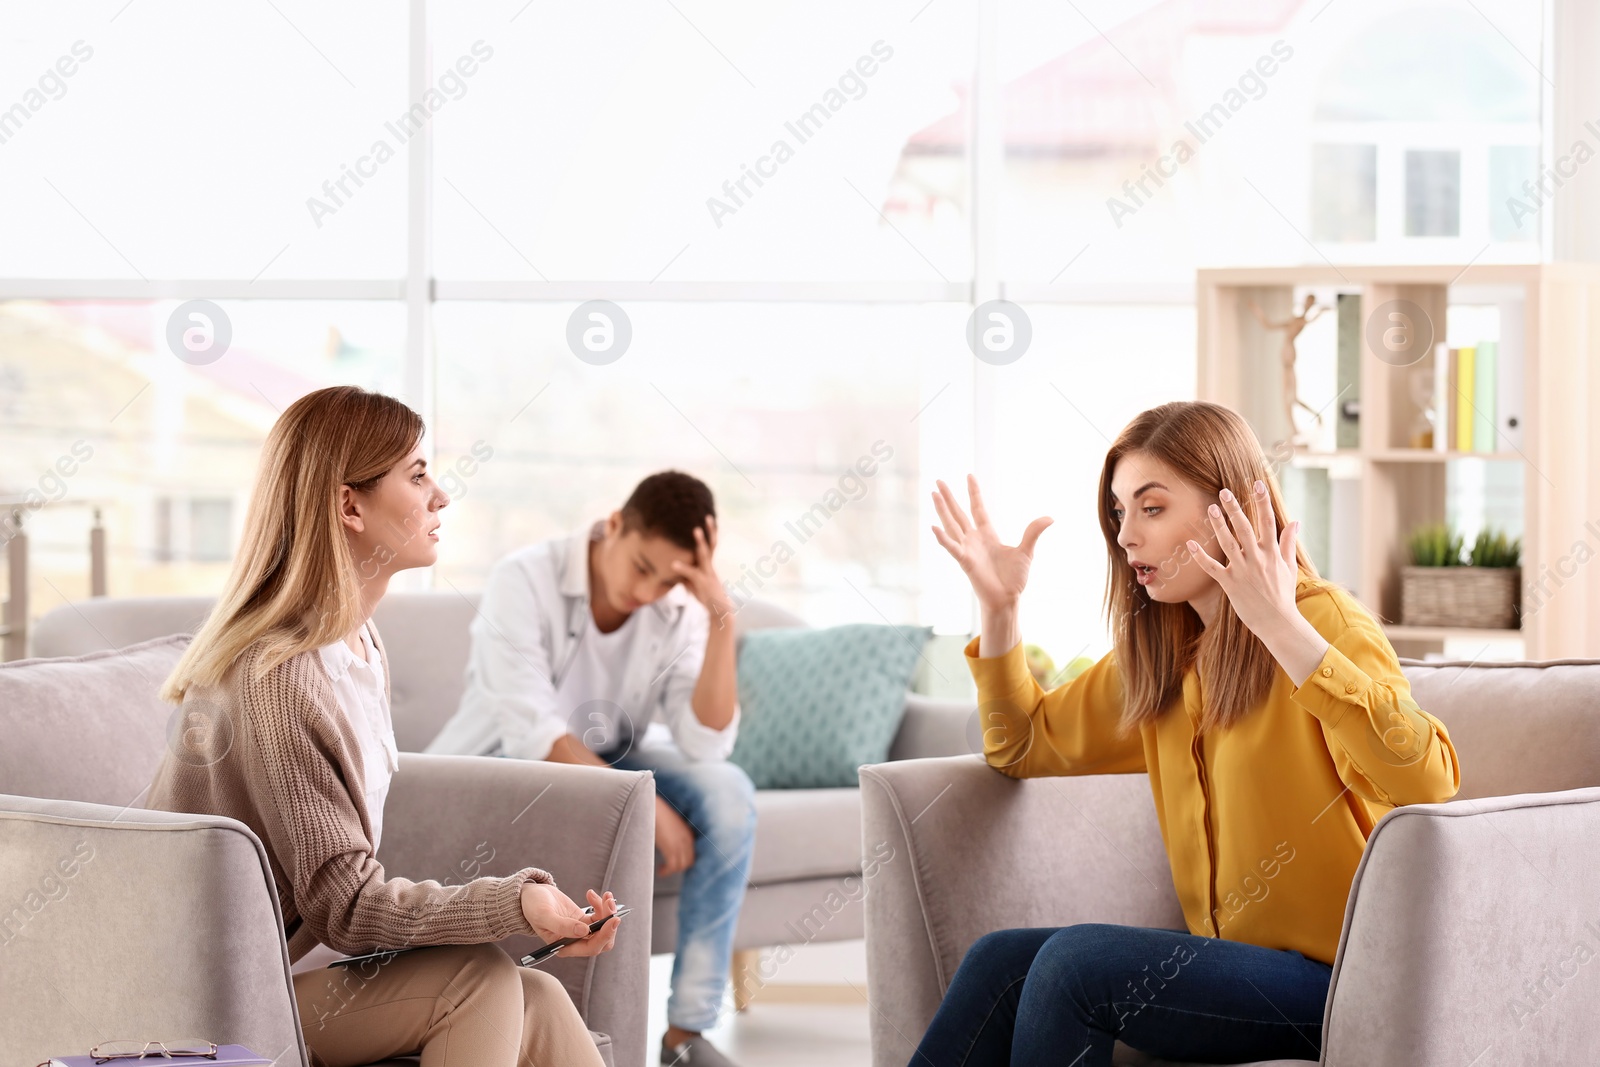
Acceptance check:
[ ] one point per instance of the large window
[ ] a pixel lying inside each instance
(807, 421)
(700, 142)
(1441, 149)
(195, 140)
(100, 417)
(792, 209)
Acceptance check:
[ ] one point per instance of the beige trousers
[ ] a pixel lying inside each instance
(458, 1005)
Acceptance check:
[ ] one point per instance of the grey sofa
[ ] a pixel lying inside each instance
(804, 877)
(1455, 913)
(120, 922)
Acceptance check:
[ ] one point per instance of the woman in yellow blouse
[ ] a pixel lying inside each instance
(1270, 712)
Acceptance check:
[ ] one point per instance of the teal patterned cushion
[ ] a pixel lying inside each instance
(817, 704)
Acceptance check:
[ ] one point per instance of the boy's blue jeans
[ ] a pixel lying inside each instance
(1062, 996)
(718, 802)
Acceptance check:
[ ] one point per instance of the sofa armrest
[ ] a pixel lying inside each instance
(128, 921)
(1472, 935)
(455, 818)
(961, 850)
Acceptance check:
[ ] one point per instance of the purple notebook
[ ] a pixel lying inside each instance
(227, 1056)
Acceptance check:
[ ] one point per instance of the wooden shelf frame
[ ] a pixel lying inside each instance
(1402, 487)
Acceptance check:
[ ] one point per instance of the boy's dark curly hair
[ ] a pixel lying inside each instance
(669, 504)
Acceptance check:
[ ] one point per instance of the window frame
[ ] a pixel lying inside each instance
(419, 289)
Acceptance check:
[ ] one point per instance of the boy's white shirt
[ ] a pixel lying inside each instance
(533, 613)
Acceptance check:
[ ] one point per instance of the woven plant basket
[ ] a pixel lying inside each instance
(1480, 598)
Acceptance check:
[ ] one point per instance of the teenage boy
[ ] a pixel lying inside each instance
(615, 647)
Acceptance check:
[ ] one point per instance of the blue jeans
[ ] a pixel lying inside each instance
(718, 802)
(1063, 995)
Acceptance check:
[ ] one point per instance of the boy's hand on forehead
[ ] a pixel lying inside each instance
(701, 575)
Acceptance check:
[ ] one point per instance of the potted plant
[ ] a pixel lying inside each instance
(1446, 585)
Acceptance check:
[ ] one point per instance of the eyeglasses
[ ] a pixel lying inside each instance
(138, 1050)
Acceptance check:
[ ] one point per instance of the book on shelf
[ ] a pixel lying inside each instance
(1477, 393)
(1465, 360)
(1444, 391)
(1483, 386)
(1445, 437)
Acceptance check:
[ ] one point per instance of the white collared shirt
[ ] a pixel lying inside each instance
(358, 685)
(533, 624)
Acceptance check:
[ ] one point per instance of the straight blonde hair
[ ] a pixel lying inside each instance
(294, 585)
(1210, 447)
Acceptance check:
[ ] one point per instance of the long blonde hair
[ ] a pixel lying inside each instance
(294, 584)
(1210, 447)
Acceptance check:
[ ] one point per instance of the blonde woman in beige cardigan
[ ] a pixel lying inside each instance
(287, 686)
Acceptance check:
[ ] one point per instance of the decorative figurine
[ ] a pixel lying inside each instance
(1292, 327)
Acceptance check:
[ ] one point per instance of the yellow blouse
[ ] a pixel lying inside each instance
(1263, 822)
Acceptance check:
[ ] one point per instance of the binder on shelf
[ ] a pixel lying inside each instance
(1483, 396)
(1347, 372)
(1463, 397)
(1508, 382)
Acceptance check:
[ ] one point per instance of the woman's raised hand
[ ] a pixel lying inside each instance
(997, 572)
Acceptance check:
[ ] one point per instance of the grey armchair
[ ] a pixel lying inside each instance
(806, 860)
(168, 924)
(1462, 933)
(127, 923)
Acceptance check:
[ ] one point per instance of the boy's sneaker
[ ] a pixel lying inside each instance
(695, 1052)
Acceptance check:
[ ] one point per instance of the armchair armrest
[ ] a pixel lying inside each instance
(455, 818)
(964, 850)
(1472, 935)
(128, 921)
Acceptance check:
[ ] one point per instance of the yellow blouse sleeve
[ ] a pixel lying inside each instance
(1071, 729)
(1387, 749)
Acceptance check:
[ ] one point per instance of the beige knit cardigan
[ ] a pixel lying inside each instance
(280, 756)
